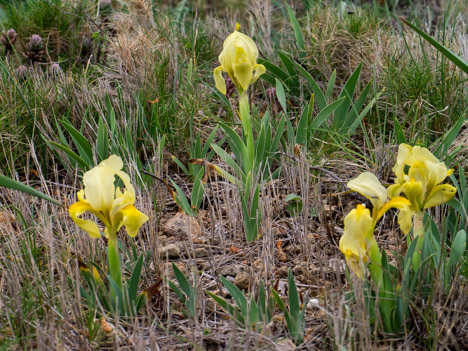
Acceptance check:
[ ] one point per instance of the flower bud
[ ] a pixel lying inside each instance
(239, 60)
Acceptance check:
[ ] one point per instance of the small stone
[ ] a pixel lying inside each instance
(6, 222)
(258, 264)
(169, 251)
(200, 252)
(182, 223)
(231, 270)
(162, 240)
(285, 345)
(282, 257)
(199, 240)
(283, 272)
(277, 232)
(299, 269)
(313, 304)
(242, 280)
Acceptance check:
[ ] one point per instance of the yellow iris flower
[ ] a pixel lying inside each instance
(357, 239)
(108, 203)
(358, 242)
(239, 60)
(370, 187)
(418, 176)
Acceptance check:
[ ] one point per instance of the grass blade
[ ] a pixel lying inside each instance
(347, 93)
(102, 143)
(297, 32)
(13, 184)
(280, 94)
(181, 200)
(71, 155)
(81, 143)
(327, 111)
(135, 279)
(457, 60)
(236, 294)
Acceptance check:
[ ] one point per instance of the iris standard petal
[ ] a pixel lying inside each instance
(438, 173)
(114, 162)
(126, 180)
(99, 187)
(439, 195)
(414, 192)
(219, 80)
(243, 73)
(76, 210)
(121, 201)
(419, 154)
(132, 219)
(404, 152)
(370, 187)
(394, 190)
(249, 47)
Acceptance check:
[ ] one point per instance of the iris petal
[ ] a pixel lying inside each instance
(353, 244)
(419, 153)
(126, 180)
(76, 210)
(219, 80)
(123, 200)
(99, 187)
(405, 220)
(439, 195)
(259, 70)
(404, 151)
(398, 202)
(370, 187)
(114, 162)
(414, 192)
(132, 219)
(243, 73)
(238, 59)
(394, 190)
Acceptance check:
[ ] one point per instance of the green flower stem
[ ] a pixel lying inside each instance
(113, 259)
(418, 234)
(246, 119)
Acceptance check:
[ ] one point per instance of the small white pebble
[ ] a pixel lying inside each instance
(313, 303)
